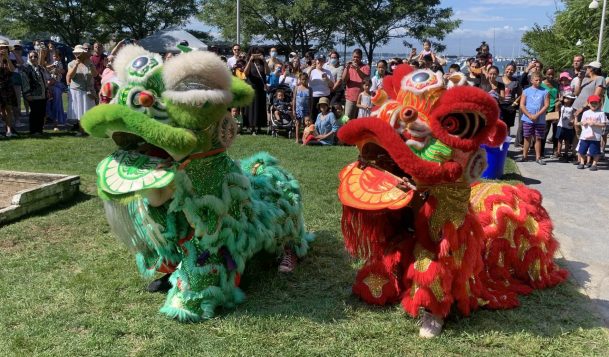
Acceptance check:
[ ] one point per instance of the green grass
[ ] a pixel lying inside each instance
(67, 287)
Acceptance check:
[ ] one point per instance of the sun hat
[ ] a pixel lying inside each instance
(569, 95)
(79, 49)
(565, 75)
(594, 98)
(594, 64)
(4, 43)
(323, 100)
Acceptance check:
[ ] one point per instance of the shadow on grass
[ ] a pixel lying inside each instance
(320, 290)
(512, 176)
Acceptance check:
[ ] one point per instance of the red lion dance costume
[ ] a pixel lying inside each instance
(432, 236)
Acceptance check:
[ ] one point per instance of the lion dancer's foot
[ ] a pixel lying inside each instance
(289, 260)
(431, 325)
(160, 285)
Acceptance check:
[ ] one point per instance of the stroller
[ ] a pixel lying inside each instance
(285, 122)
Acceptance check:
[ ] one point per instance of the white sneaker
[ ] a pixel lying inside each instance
(9, 134)
(431, 325)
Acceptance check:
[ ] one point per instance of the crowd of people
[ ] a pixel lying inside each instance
(564, 110)
(314, 95)
(41, 77)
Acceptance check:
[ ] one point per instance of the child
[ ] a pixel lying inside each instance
(281, 107)
(301, 102)
(56, 88)
(565, 84)
(533, 106)
(308, 133)
(273, 79)
(235, 113)
(593, 122)
(339, 112)
(364, 100)
(426, 50)
(565, 130)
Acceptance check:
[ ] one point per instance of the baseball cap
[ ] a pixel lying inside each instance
(594, 64)
(565, 75)
(594, 98)
(321, 57)
(292, 54)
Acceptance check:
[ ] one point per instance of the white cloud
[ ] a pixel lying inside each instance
(477, 14)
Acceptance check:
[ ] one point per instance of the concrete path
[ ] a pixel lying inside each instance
(578, 203)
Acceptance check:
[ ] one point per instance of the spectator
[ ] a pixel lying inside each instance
(281, 107)
(34, 85)
(533, 106)
(308, 63)
(593, 122)
(273, 60)
(565, 83)
(484, 50)
(426, 53)
(339, 113)
(320, 81)
(232, 61)
(354, 74)
(491, 85)
(551, 87)
(19, 60)
(273, 77)
(295, 61)
(508, 104)
(337, 92)
(377, 79)
(50, 57)
(578, 66)
(56, 87)
(364, 100)
(99, 60)
(255, 72)
(80, 79)
(590, 83)
(325, 125)
(308, 133)
(239, 69)
(8, 98)
(301, 102)
(288, 77)
(565, 132)
(606, 110)
(474, 75)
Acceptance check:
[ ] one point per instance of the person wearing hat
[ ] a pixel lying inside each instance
(321, 84)
(18, 59)
(564, 81)
(80, 77)
(593, 122)
(326, 125)
(34, 85)
(8, 98)
(591, 83)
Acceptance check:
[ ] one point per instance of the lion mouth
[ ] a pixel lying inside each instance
(135, 143)
(372, 154)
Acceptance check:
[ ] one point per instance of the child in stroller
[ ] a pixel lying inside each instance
(281, 112)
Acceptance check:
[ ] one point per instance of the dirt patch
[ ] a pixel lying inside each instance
(8, 188)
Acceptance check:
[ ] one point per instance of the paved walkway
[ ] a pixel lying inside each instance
(578, 202)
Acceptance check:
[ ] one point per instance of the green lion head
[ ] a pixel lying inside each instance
(169, 109)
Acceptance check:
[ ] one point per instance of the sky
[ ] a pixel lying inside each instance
(500, 23)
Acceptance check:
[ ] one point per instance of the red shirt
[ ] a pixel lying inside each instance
(354, 83)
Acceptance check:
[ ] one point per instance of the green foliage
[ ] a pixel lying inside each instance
(68, 288)
(296, 24)
(555, 45)
(78, 20)
(379, 21)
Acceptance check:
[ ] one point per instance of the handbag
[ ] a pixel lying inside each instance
(552, 116)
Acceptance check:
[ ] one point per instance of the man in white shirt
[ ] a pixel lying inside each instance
(232, 61)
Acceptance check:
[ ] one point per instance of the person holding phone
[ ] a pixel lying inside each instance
(321, 83)
(80, 77)
(354, 74)
(34, 85)
(256, 72)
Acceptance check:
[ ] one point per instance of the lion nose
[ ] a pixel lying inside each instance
(409, 114)
(146, 99)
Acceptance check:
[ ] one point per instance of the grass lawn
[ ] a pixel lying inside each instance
(67, 287)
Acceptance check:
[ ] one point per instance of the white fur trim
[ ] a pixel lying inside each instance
(205, 68)
(123, 60)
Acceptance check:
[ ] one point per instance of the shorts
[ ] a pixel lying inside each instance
(590, 147)
(565, 134)
(536, 130)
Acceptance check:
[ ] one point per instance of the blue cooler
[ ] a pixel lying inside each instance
(495, 158)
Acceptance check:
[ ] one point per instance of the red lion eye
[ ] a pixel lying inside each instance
(451, 124)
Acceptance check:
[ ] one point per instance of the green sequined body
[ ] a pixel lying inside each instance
(219, 217)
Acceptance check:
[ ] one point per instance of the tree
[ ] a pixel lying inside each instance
(295, 24)
(78, 20)
(72, 20)
(372, 23)
(556, 44)
(140, 18)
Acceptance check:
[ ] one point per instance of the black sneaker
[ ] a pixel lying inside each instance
(522, 159)
(580, 166)
(160, 285)
(541, 162)
(593, 168)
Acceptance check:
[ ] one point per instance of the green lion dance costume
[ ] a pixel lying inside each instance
(173, 195)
